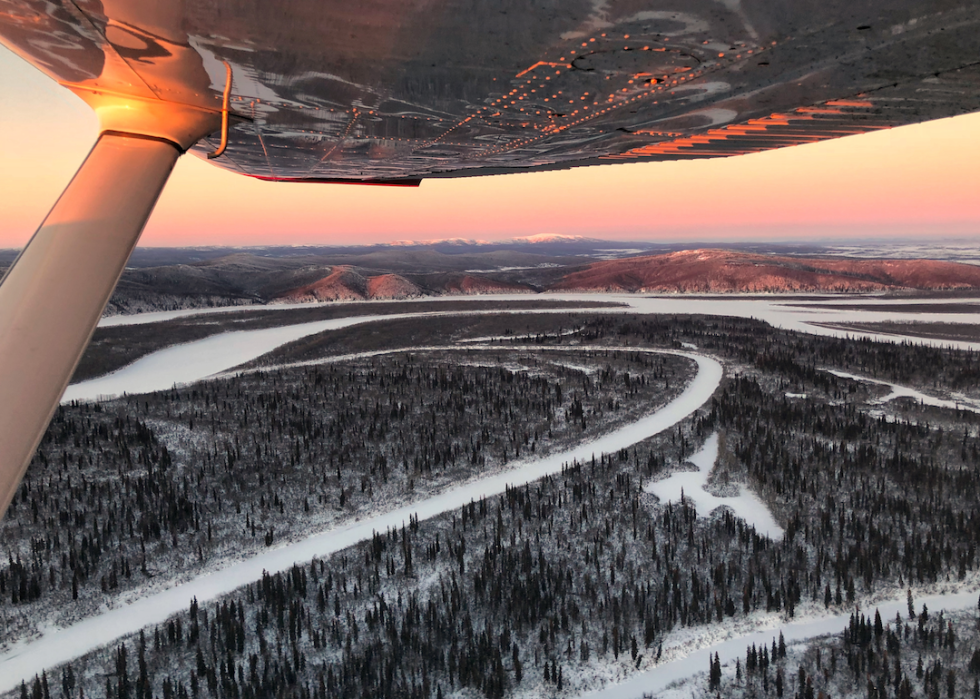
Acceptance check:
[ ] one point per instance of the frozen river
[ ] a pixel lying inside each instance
(24, 660)
(193, 361)
(796, 313)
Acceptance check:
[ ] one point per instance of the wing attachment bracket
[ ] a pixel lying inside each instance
(226, 97)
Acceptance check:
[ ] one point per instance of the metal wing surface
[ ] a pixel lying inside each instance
(395, 92)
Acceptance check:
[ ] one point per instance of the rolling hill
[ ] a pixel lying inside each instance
(726, 271)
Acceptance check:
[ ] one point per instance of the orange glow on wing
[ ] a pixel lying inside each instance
(849, 103)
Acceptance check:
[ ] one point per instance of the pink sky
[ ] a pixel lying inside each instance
(913, 181)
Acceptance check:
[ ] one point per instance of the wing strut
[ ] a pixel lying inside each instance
(53, 296)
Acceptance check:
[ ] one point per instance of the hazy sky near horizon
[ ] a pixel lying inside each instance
(919, 180)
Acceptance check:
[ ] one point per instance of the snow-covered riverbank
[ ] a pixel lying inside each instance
(56, 646)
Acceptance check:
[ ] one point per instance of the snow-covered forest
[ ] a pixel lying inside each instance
(915, 653)
(564, 585)
(150, 489)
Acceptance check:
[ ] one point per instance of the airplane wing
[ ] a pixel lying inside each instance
(394, 92)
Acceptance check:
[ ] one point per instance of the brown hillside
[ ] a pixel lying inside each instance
(342, 284)
(724, 271)
(391, 286)
(472, 284)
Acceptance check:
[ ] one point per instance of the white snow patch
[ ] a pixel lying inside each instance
(508, 338)
(690, 485)
(587, 370)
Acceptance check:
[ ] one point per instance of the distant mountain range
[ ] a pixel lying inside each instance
(545, 244)
(167, 279)
(539, 239)
(388, 275)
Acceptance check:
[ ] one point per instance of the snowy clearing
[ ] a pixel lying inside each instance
(26, 659)
(588, 370)
(690, 485)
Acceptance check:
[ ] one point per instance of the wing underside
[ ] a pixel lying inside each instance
(394, 92)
